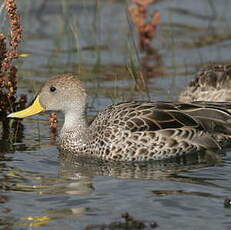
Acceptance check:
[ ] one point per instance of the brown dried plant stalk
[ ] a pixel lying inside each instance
(146, 28)
(146, 24)
(8, 71)
(53, 125)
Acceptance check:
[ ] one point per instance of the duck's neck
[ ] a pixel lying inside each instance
(75, 126)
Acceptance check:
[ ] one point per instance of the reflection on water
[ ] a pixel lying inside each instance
(74, 166)
(40, 187)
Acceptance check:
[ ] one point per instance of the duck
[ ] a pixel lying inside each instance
(212, 83)
(131, 131)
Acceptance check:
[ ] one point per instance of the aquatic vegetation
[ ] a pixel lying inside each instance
(53, 123)
(15, 34)
(128, 222)
(147, 29)
(8, 71)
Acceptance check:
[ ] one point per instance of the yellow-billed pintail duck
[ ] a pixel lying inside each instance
(131, 131)
(213, 83)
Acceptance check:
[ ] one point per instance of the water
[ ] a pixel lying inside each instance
(39, 188)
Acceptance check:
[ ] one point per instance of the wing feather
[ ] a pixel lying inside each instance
(153, 116)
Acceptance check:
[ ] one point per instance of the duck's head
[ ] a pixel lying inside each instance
(64, 93)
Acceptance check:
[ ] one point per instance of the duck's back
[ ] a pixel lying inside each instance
(139, 131)
(213, 83)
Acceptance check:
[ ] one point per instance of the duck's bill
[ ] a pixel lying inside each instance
(35, 108)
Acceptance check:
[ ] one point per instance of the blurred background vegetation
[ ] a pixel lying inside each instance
(101, 41)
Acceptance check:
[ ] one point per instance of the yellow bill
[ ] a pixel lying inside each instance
(35, 108)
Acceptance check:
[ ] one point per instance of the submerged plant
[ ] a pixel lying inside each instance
(127, 222)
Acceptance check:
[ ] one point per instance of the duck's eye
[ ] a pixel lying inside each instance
(52, 89)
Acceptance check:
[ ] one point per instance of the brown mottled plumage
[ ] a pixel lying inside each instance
(213, 83)
(134, 131)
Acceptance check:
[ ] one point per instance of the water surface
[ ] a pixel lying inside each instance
(39, 188)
